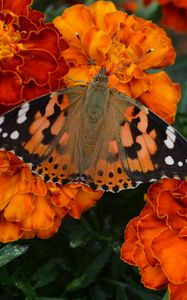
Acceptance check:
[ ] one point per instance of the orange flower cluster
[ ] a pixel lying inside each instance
(29, 207)
(156, 241)
(174, 13)
(127, 46)
(31, 63)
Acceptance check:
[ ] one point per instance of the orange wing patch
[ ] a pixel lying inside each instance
(139, 143)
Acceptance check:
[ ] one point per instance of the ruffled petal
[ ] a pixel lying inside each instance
(163, 104)
(41, 217)
(177, 292)
(11, 87)
(172, 256)
(20, 206)
(99, 10)
(9, 232)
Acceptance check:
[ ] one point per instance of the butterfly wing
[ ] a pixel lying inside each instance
(137, 147)
(149, 147)
(37, 131)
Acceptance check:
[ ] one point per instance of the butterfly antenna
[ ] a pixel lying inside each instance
(82, 81)
(91, 61)
(133, 61)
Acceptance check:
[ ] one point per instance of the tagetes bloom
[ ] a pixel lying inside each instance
(127, 46)
(31, 61)
(29, 207)
(156, 240)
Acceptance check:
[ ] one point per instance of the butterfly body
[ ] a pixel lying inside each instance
(94, 135)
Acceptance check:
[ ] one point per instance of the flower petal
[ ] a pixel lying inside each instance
(19, 7)
(170, 250)
(69, 28)
(163, 104)
(9, 232)
(99, 10)
(11, 87)
(153, 277)
(41, 217)
(97, 43)
(20, 206)
(177, 292)
(37, 65)
(84, 199)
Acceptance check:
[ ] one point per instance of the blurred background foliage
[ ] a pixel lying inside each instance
(82, 261)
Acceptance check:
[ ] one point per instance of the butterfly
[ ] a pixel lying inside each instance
(94, 135)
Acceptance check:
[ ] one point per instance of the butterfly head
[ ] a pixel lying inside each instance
(101, 77)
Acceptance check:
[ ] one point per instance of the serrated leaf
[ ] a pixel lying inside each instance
(10, 252)
(90, 273)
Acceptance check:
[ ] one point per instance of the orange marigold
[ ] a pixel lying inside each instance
(29, 207)
(31, 62)
(128, 46)
(156, 241)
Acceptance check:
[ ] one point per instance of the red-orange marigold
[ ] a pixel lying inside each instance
(156, 241)
(31, 62)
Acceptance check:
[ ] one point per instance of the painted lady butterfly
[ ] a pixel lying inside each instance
(94, 135)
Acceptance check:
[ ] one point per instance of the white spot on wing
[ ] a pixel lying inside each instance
(169, 143)
(169, 160)
(22, 113)
(180, 163)
(170, 132)
(5, 134)
(2, 118)
(14, 135)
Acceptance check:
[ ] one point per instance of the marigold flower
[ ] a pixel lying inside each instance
(174, 13)
(29, 207)
(156, 240)
(127, 46)
(31, 62)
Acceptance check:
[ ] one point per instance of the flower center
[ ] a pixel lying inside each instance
(116, 56)
(9, 40)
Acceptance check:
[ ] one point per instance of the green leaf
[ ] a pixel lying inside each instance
(166, 296)
(10, 252)
(89, 274)
(26, 288)
(79, 236)
(49, 268)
